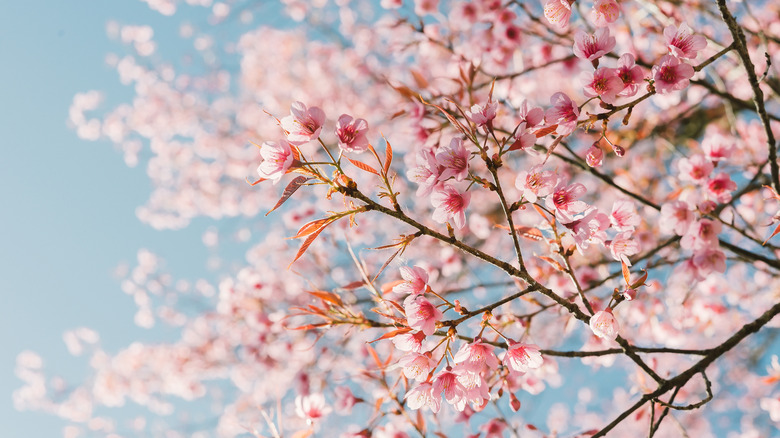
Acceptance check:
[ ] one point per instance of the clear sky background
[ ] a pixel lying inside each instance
(67, 216)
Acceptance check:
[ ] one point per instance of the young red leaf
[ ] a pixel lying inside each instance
(288, 191)
(774, 233)
(306, 244)
(392, 334)
(626, 273)
(554, 263)
(327, 296)
(375, 356)
(311, 227)
(544, 131)
(256, 182)
(363, 166)
(388, 156)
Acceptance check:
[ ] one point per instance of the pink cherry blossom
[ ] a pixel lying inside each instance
(701, 234)
(594, 155)
(676, 217)
(709, 260)
(415, 281)
(671, 75)
(531, 116)
(303, 124)
(696, 169)
(558, 12)
(426, 7)
(604, 325)
(623, 246)
(593, 47)
(717, 147)
(564, 200)
(345, 400)
(564, 113)
(409, 341)
(416, 366)
(311, 407)
(277, 159)
(623, 216)
(682, 43)
(421, 314)
(352, 134)
(454, 159)
(484, 114)
(630, 74)
(422, 395)
(476, 356)
(426, 174)
(522, 357)
(447, 381)
(450, 204)
(535, 183)
(591, 228)
(720, 187)
(604, 83)
(604, 12)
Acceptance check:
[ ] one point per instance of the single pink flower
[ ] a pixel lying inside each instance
(604, 325)
(671, 75)
(594, 156)
(426, 7)
(696, 169)
(524, 139)
(721, 187)
(564, 200)
(536, 183)
(416, 366)
(717, 147)
(564, 113)
(630, 74)
(483, 115)
(494, 428)
(593, 47)
(303, 124)
(352, 134)
(422, 395)
(591, 228)
(623, 246)
(623, 216)
(426, 174)
(531, 116)
(682, 43)
(277, 158)
(604, 12)
(311, 407)
(415, 281)
(522, 357)
(449, 203)
(701, 234)
(421, 314)
(447, 381)
(676, 217)
(409, 341)
(558, 12)
(454, 159)
(604, 83)
(475, 356)
(709, 260)
(345, 400)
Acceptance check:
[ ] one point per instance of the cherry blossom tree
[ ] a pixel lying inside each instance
(486, 218)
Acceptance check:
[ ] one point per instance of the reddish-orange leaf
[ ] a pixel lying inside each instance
(396, 305)
(626, 273)
(527, 232)
(308, 326)
(306, 244)
(375, 356)
(774, 233)
(554, 263)
(327, 296)
(640, 281)
(387, 287)
(354, 285)
(256, 182)
(311, 227)
(387, 263)
(388, 156)
(419, 79)
(544, 131)
(288, 191)
(392, 334)
(363, 166)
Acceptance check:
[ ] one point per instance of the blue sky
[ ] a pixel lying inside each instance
(68, 205)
